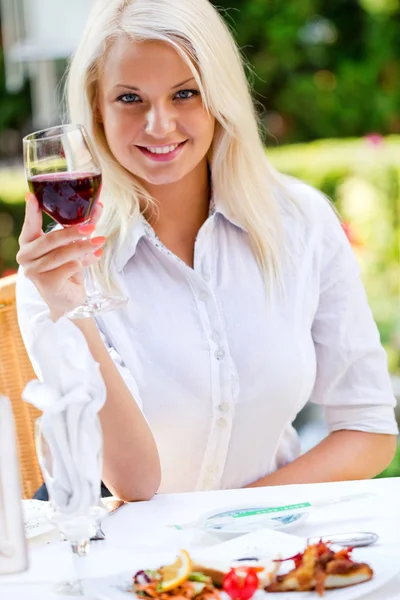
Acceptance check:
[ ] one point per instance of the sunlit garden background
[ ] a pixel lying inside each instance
(326, 80)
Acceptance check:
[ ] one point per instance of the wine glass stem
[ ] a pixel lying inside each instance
(80, 551)
(92, 286)
(80, 548)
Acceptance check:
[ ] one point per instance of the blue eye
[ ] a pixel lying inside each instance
(128, 98)
(186, 94)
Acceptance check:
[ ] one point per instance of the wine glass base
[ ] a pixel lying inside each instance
(69, 588)
(95, 305)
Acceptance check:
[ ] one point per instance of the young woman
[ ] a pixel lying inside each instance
(245, 296)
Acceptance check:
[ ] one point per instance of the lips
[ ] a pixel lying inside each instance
(164, 153)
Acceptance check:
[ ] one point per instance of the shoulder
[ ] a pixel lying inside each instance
(310, 217)
(315, 206)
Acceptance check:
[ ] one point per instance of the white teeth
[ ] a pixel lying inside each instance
(163, 149)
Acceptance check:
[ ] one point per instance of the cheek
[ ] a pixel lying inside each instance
(208, 129)
(203, 127)
(120, 127)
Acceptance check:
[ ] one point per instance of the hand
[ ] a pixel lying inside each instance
(54, 262)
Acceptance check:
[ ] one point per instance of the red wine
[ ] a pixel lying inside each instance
(68, 198)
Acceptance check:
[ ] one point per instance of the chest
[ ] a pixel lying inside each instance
(184, 323)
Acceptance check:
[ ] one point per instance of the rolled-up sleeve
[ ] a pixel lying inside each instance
(352, 382)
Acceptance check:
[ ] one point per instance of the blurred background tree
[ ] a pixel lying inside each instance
(321, 69)
(15, 110)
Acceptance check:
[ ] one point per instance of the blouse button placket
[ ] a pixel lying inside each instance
(223, 372)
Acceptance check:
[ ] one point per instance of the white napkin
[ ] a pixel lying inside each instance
(70, 396)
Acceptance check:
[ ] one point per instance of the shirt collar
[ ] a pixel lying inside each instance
(140, 226)
(128, 248)
(217, 207)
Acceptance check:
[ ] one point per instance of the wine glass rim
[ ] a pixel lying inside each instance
(62, 130)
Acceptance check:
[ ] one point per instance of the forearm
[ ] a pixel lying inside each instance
(131, 463)
(343, 455)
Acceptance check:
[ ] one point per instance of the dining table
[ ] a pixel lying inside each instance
(139, 530)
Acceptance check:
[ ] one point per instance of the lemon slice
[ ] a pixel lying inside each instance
(174, 575)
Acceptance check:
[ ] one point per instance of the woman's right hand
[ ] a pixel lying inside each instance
(55, 261)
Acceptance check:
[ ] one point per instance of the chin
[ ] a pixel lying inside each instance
(159, 178)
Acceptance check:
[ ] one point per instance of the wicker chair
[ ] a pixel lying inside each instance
(15, 372)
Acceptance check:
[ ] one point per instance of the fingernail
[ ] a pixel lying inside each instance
(98, 241)
(100, 204)
(28, 196)
(86, 228)
(99, 252)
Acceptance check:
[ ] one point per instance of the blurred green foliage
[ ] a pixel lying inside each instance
(321, 69)
(15, 108)
(393, 470)
(12, 210)
(13, 188)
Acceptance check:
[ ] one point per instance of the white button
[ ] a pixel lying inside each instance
(222, 423)
(212, 470)
(224, 407)
(216, 336)
(208, 482)
(219, 354)
(203, 296)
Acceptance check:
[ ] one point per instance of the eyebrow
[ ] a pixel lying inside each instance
(136, 89)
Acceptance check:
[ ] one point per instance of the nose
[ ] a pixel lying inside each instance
(160, 121)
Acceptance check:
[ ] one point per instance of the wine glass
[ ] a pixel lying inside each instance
(63, 172)
(77, 524)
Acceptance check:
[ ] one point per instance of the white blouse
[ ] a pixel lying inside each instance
(219, 374)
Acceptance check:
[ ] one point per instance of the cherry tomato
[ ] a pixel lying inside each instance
(240, 584)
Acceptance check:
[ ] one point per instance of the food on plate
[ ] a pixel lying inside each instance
(178, 581)
(241, 583)
(176, 574)
(320, 568)
(185, 579)
(317, 568)
(266, 568)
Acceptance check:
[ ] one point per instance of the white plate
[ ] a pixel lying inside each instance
(260, 543)
(264, 542)
(233, 521)
(246, 519)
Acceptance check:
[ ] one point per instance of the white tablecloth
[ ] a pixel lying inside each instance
(141, 528)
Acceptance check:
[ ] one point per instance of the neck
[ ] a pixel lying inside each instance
(181, 209)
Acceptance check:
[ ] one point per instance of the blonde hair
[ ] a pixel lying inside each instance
(242, 178)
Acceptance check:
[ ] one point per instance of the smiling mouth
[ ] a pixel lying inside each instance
(162, 153)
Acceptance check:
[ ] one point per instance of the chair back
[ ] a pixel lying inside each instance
(15, 372)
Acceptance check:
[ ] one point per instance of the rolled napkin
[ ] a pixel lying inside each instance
(70, 396)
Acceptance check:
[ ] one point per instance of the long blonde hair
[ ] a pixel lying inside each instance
(242, 178)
